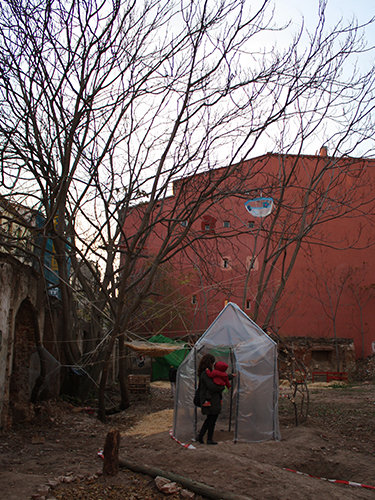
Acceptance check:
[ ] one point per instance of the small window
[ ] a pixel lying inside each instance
(184, 223)
(226, 223)
(208, 224)
(226, 302)
(251, 263)
(248, 304)
(194, 299)
(226, 263)
(251, 224)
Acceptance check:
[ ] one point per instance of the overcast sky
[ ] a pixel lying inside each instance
(362, 10)
(306, 12)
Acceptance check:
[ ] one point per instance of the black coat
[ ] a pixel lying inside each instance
(207, 384)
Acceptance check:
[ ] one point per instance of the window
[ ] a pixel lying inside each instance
(208, 224)
(226, 302)
(226, 223)
(252, 263)
(251, 223)
(194, 299)
(249, 263)
(248, 304)
(226, 263)
(184, 223)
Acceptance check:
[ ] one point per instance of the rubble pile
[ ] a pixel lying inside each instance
(365, 369)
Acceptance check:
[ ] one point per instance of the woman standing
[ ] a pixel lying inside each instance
(211, 412)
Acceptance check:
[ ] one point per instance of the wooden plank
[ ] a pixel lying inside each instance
(138, 384)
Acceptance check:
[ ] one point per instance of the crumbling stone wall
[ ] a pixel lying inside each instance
(319, 354)
(18, 293)
(18, 283)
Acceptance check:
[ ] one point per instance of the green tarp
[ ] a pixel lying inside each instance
(162, 365)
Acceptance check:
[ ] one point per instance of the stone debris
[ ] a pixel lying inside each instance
(365, 369)
(166, 486)
(43, 490)
(66, 479)
(189, 495)
(52, 483)
(170, 489)
(161, 481)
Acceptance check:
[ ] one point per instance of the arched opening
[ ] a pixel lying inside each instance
(24, 346)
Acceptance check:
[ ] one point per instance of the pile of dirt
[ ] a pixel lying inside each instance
(336, 442)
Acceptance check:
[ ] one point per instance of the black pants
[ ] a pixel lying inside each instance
(209, 426)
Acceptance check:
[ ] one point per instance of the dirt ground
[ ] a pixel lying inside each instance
(61, 447)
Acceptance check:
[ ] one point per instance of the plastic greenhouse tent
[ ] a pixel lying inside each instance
(250, 406)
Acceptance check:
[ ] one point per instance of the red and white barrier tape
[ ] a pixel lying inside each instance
(338, 481)
(188, 446)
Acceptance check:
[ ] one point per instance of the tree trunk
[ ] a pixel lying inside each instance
(42, 357)
(111, 449)
(125, 401)
(70, 347)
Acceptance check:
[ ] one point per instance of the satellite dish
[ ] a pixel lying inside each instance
(259, 207)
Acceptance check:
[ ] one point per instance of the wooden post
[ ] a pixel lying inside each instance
(111, 450)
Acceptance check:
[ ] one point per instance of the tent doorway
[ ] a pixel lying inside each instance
(226, 423)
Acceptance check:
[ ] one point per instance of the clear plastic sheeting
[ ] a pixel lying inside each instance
(259, 207)
(52, 369)
(250, 407)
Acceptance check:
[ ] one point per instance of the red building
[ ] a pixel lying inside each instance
(305, 270)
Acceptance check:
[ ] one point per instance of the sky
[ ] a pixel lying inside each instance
(306, 13)
(362, 10)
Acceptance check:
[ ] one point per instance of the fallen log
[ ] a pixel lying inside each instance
(199, 488)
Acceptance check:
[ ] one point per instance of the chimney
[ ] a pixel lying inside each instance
(323, 151)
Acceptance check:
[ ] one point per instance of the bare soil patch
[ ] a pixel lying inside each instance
(63, 441)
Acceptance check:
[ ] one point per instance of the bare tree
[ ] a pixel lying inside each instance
(362, 293)
(309, 195)
(328, 289)
(105, 105)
